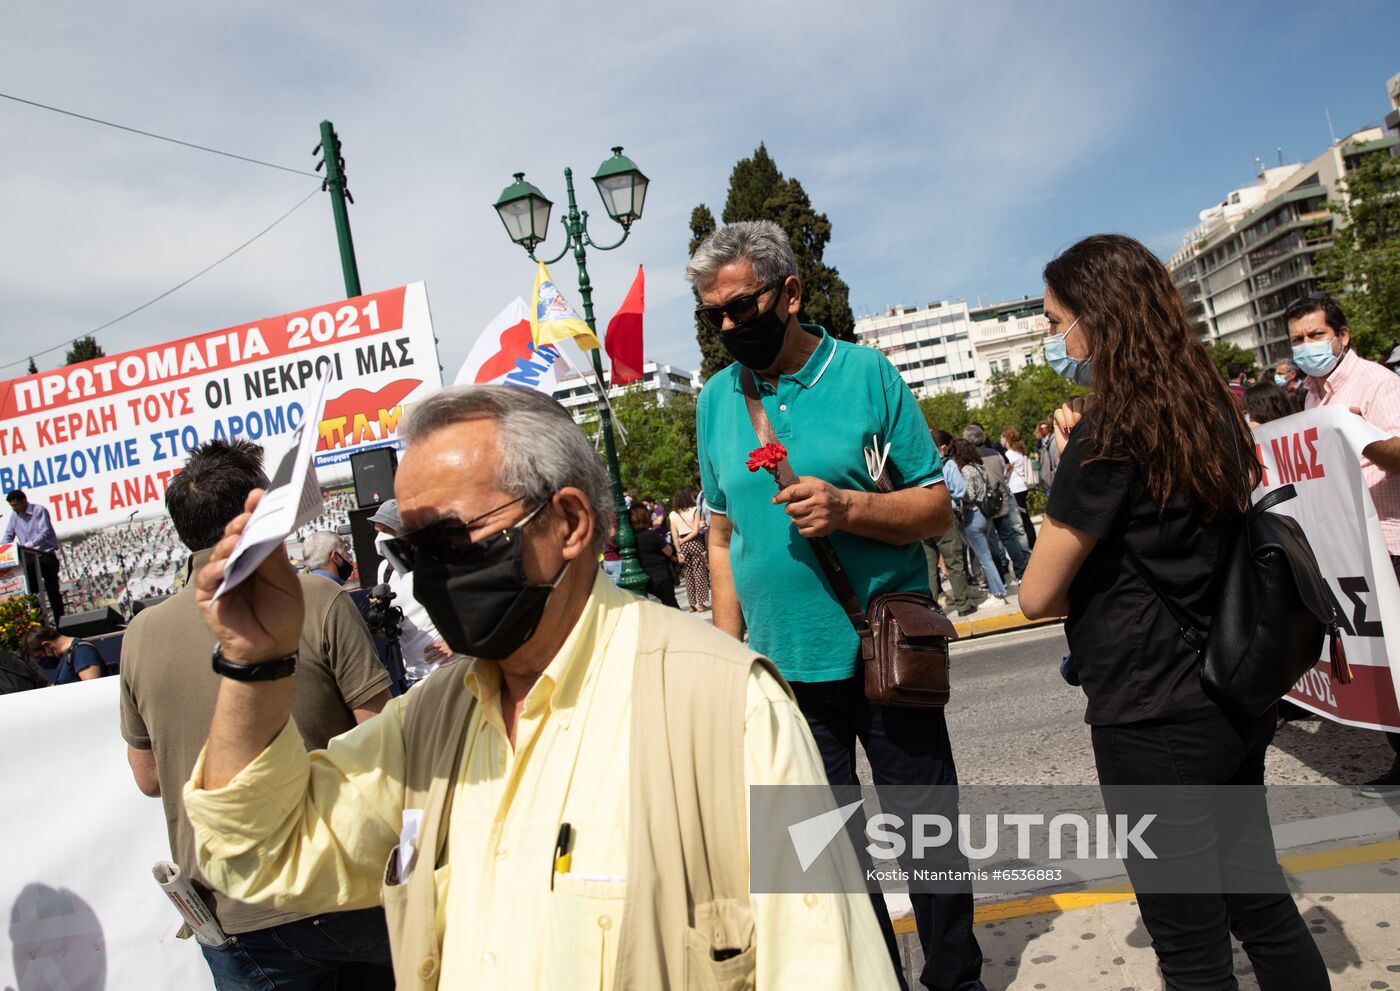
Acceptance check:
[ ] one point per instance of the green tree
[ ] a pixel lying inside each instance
(758, 191)
(83, 349)
(659, 455)
(1022, 399)
(33, 368)
(946, 410)
(1225, 354)
(1362, 265)
(713, 357)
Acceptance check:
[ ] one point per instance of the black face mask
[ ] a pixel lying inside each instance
(756, 343)
(344, 569)
(478, 596)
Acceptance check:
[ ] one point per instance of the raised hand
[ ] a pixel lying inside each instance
(1066, 418)
(259, 620)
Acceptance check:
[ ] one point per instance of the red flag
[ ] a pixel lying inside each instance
(623, 340)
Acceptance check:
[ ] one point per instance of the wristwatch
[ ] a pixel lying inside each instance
(265, 671)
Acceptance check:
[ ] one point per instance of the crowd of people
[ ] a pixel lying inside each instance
(670, 547)
(565, 724)
(122, 565)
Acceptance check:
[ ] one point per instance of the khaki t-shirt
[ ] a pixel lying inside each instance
(168, 690)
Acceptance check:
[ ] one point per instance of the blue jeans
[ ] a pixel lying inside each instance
(975, 530)
(332, 952)
(905, 747)
(1013, 538)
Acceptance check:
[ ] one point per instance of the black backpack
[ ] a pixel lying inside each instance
(18, 674)
(992, 496)
(1272, 613)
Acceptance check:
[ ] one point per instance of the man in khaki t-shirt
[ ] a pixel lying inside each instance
(168, 691)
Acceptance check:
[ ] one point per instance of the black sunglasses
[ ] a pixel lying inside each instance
(448, 540)
(739, 309)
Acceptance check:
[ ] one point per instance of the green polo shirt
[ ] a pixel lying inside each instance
(824, 414)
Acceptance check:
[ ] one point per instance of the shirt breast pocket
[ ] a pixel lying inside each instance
(581, 932)
(720, 953)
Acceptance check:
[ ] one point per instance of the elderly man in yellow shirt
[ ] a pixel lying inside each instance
(566, 808)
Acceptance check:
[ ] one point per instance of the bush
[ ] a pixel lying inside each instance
(18, 615)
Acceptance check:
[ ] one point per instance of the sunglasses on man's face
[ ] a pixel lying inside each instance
(449, 540)
(739, 309)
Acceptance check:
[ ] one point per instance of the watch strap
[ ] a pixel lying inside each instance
(283, 667)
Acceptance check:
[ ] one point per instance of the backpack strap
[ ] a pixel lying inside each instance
(1195, 637)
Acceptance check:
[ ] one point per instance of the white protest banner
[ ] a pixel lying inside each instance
(293, 497)
(1319, 452)
(77, 843)
(505, 354)
(96, 440)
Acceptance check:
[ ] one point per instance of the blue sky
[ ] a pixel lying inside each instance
(954, 146)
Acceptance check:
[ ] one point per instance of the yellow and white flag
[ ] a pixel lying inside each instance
(552, 318)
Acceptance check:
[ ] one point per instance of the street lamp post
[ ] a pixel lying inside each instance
(525, 212)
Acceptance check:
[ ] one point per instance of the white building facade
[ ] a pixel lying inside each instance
(576, 395)
(931, 346)
(951, 346)
(1255, 252)
(1007, 337)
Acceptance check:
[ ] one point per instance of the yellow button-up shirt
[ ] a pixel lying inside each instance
(331, 815)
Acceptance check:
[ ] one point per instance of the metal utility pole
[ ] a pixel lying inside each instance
(331, 158)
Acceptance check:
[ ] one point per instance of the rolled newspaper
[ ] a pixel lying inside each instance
(198, 919)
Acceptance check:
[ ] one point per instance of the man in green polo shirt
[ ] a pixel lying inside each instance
(828, 400)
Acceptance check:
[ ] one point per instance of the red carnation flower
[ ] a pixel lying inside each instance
(767, 457)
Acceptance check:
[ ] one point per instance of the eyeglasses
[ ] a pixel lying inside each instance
(449, 539)
(739, 309)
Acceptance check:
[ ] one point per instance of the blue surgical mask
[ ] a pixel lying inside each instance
(1279, 379)
(1315, 359)
(1074, 369)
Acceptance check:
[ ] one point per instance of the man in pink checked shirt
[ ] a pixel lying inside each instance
(1338, 376)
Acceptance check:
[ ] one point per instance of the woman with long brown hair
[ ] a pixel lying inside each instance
(1157, 463)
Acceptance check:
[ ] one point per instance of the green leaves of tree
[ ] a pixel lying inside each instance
(758, 191)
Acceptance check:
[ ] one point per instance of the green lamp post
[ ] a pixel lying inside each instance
(525, 212)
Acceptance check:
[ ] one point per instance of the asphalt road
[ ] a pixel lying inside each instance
(1013, 720)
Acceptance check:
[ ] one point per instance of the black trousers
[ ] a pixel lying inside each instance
(1191, 932)
(42, 566)
(905, 747)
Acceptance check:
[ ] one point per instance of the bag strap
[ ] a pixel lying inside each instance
(827, 558)
(1195, 637)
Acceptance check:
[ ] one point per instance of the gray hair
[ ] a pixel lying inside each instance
(541, 451)
(974, 434)
(761, 241)
(316, 550)
(1288, 364)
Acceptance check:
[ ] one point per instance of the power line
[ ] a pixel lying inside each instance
(158, 137)
(57, 347)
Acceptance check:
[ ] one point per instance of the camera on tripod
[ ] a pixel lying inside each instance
(384, 618)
